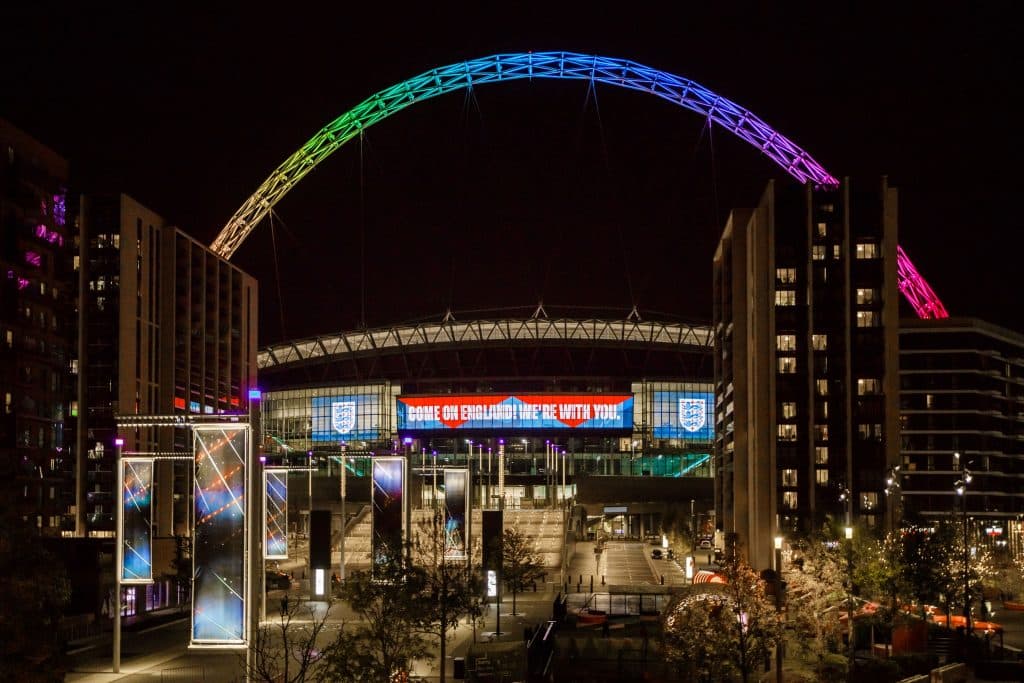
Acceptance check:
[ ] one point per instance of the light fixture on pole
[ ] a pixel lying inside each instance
(849, 590)
(343, 485)
(961, 490)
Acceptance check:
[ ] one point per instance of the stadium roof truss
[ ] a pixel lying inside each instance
(426, 336)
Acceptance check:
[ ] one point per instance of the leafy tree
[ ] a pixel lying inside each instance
(815, 592)
(389, 636)
(521, 566)
(288, 650)
(717, 633)
(450, 590)
(34, 590)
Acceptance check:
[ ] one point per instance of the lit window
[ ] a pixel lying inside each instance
(827, 208)
(821, 477)
(867, 250)
(789, 500)
(867, 318)
(821, 432)
(870, 431)
(787, 365)
(7, 403)
(821, 455)
(867, 295)
(818, 252)
(788, 409)
(822, 229)
(787, 432)
(785, 297)
(836, 251)
(786, 276)
(789, 478)
(929, 401)
(868, 387)
(823, 409)
(821, 387)
(819, 342)
(785, 342)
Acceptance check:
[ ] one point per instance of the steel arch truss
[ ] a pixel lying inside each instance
(508, 67)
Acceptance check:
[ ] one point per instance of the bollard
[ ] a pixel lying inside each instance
(591, 583)
(662, 579)
(602, 579)
(581, 578)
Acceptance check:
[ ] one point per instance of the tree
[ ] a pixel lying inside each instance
(34, 588)
(815, 591)
(521, 566)
(450, 590)
(716, 633)
(288, 651)
(389, 636)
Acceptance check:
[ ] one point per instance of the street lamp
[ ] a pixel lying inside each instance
(961, 490)
(849, 591)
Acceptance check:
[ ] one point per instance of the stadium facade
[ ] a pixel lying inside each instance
(627, 399)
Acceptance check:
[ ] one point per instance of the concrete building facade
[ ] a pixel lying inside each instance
(806, 308)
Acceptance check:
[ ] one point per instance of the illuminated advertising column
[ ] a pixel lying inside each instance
(387, 530)
(136, 533)
(220, 579)
(456, 514)
(275, 525)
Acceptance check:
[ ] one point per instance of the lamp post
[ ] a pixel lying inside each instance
(342, 484)
(777, 566)
(849, 590)
(892, 488)
(961, 490)
(118, 555)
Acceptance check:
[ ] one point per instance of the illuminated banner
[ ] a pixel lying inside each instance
(275, 528)
(387, 531)
(346, 418)
(684, 415)
(136, 520)
(519, 412)
(218, 547)
(456, 514)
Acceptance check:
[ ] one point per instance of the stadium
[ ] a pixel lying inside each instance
(613, 414)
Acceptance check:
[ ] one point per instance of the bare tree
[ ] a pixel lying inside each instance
(287, 649)
(451, 591)
(521, 566)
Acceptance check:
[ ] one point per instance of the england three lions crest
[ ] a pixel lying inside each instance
(343, 416)
(692, 415)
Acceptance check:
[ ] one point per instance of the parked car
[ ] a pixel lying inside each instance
(656, 554)
(278, 580)
(705, 544)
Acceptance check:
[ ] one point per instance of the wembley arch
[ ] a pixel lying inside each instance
(550, 65)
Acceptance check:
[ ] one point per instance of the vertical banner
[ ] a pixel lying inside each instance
(220, 578)
(136, 532)
(275, 524)
(388, 512)
(456, 514)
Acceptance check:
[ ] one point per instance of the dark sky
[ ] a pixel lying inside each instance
(523, 191)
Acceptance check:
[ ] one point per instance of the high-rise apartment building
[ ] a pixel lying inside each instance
(962, 406)
(805, 320)
(170, 328)
(36, 331)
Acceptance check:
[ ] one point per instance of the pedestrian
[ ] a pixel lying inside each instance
(284, 605)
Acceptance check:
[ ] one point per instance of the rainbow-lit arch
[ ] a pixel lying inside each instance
(560, 65)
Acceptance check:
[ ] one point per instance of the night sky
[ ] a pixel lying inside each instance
(594, 199)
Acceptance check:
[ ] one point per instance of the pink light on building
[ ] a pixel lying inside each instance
(917, 291)
(33, 259)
